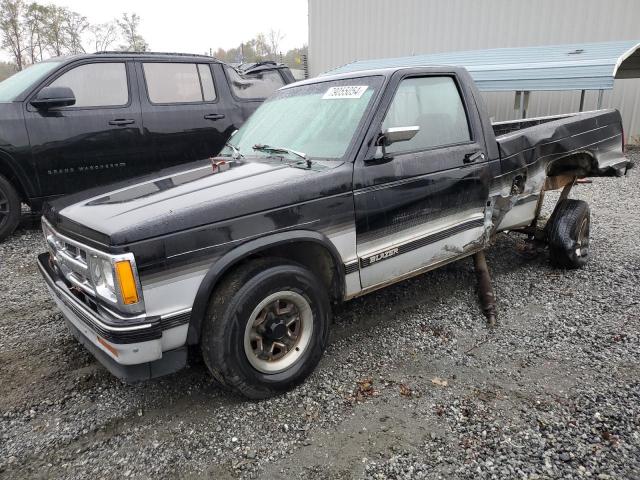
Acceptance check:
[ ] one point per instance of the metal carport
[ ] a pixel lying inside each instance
(582, 66)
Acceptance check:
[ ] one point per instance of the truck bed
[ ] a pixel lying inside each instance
(595, 135)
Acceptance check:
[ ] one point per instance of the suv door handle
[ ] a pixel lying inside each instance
(121, 121)
(214, 116)
(472, 157)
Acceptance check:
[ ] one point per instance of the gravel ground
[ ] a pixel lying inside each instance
(413, 385)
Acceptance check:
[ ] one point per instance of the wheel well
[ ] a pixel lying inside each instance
(580, 164)
(7, 172)
(312, 255)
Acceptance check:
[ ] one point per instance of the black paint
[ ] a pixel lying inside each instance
(48, 153)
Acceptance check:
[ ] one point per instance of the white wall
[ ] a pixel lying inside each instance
(341, 31)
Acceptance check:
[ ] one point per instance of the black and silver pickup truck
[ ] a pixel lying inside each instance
(334, 187)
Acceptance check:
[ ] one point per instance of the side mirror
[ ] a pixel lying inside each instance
(393, 135)
(398, 134)
(52, 97)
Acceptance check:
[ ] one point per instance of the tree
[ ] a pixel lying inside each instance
(7, 69)
(13, 35)
(273, 42)
(74, 25)
(294, 58)
(263, 47)
(56, 30)
(36, 28)
(129, 28)
(103, 35)
(29, 32)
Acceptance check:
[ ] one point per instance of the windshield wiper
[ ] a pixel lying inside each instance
(236, 151)
(269, 149)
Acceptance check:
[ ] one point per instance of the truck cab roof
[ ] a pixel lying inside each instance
(385, 72)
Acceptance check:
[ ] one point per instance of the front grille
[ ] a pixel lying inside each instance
(70, 258)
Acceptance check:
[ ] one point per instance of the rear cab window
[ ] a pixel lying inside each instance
(169, 83)
(255, 85)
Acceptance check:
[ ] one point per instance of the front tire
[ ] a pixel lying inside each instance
(568, 234)
(266, 328)
(10, 208)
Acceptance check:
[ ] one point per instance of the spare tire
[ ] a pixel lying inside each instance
(568, 233)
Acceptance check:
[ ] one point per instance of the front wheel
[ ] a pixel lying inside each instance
(568, 233)
(266, 327)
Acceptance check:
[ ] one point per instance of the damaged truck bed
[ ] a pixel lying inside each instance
(549, 153)
(334, 187)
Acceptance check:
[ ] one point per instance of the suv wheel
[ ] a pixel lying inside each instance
(266, 327)
(10, 208)
(568, 233)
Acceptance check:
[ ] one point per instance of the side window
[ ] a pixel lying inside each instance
(433, 104)
(96, 84)
(208, 90)
(179, 82)
(254, 85)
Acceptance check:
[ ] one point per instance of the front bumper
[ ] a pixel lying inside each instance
(131, 351)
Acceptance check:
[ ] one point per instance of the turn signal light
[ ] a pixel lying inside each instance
(108, 346)
(127, 282)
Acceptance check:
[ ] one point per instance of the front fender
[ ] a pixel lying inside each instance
(235, 256)
(18, 175)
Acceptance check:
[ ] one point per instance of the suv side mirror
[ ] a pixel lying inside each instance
(393, 135)
(52, 97)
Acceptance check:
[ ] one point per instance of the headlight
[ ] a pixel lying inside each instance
(114, 281)
(102, 277)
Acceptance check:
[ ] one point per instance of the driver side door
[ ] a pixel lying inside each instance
(424, 203)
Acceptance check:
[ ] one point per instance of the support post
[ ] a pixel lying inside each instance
(485, 290)
(600, 93)
(581, 101)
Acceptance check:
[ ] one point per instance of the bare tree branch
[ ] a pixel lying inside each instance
(129, 27)
(12, 31)
(103, 35)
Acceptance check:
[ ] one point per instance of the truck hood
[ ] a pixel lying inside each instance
(157, 205)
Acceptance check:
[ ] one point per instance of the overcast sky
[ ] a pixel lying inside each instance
(195, 26)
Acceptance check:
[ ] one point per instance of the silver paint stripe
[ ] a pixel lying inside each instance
(434, 227)
(245, 239)
(406, 247)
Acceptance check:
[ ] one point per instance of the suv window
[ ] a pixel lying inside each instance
(179, 82)
(433, 104)
(96, 84)
(254, 85)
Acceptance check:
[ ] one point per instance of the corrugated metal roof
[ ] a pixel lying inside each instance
(580, 66)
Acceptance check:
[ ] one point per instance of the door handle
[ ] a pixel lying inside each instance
(214, 116)
(121, 121)
(472, 157)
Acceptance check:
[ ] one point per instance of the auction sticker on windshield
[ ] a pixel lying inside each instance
(346, 91)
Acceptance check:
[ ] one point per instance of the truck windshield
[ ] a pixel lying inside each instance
(319, 119)
(17, 83)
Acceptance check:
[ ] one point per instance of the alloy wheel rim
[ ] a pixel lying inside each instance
(278, 332)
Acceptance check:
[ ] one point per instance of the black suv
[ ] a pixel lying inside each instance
(71, 123)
